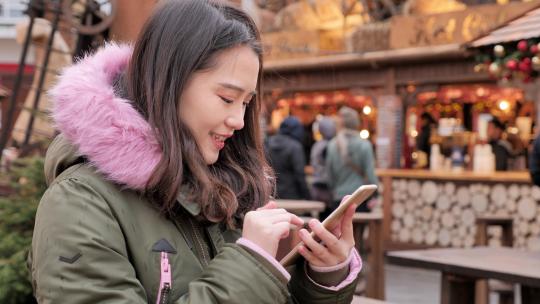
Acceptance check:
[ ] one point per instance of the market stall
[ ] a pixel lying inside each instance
(439, 208)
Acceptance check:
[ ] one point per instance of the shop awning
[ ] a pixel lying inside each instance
(373, 59)
(525, 27)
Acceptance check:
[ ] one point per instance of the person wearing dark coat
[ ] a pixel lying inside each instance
(427, 123)
(286, 155)
(534, 161)
(501, 148)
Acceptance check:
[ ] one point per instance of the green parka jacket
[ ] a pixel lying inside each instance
(97, 240)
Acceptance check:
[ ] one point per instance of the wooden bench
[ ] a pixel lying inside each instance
(375, 260)
(483, 287)
(364, 300)
(485, 221)
(301, 207)
(461, 268)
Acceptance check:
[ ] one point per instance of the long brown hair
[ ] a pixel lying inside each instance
(180, 38)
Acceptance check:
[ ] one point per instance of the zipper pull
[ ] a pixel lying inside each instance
(165, 281)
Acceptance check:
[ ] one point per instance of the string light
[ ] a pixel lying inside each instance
(366, 110)
(364, 134)
(504, 105)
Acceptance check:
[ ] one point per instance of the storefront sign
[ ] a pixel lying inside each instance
(455, 27)
(302, 44)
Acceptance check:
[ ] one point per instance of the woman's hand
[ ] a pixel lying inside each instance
(336, 245)
(267, 225)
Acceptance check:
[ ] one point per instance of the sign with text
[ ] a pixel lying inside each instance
(302, 44)
(454, 27)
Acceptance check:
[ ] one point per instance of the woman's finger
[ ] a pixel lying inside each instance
(329, 239)
(281, 229)
(347, 225)
(296, 220)
(337, 231)
(287, 217)
(267, 212)
(319, 250)
(310, 257)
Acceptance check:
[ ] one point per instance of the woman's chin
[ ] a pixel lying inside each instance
(211, 158)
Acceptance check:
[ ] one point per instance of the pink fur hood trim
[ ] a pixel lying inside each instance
(105, 128)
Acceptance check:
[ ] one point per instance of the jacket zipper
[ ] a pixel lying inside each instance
(165, 281)
(200, 247)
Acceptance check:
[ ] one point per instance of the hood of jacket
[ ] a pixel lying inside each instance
(292, 127)
(98, 125)
(327, 128)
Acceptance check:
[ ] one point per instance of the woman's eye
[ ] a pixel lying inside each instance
(226, 100)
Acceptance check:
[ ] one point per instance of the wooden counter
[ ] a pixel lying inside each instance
(439, 208)
(499, 176)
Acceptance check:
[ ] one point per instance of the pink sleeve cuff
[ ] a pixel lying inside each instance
(256, 248)
(335, 267)
(355, 265)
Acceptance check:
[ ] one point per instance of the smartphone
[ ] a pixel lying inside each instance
(331, 222)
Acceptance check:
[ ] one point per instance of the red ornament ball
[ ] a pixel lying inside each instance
(512, 64)
(523, 46)
(524, 67)
(534, 49)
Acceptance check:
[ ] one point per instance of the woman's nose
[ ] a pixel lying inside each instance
(235, 120)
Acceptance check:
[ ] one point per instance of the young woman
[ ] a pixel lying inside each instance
(158, 188)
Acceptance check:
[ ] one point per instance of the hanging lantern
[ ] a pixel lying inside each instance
(498, 50)
(495, 69)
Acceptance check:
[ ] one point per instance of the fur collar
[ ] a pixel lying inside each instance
(105, 128)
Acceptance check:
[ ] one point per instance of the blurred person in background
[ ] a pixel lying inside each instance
(320, 191)
(427, 124)
(534, 161)
(350, 161)
(500, 147)
(286, 156)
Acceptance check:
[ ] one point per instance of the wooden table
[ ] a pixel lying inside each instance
(462, 267)
(505, 291)
(375, 276)
(300, 207)
(364, 300)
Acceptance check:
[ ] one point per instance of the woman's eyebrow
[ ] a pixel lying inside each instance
(236, 88)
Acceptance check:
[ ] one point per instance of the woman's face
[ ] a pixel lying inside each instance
(214, 101)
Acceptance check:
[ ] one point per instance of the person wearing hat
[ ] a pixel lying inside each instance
(320, 190)
(286, 156)
(350, 161)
